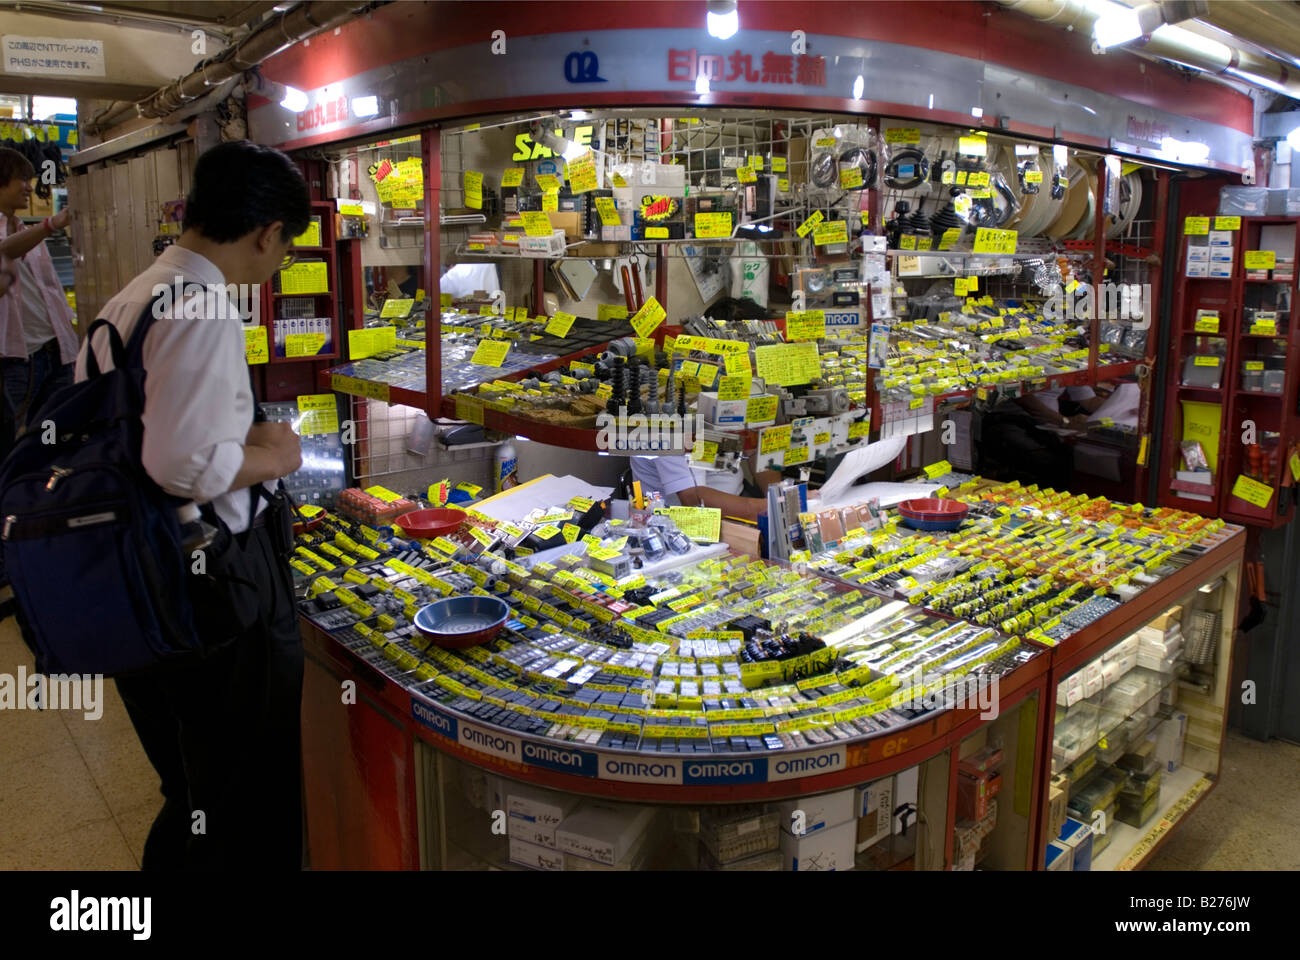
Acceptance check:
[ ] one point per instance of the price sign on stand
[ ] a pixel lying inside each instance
(806, 325)
(608, 311)
(513, 177)
(491, 353)
(989, 240)
(559, 325)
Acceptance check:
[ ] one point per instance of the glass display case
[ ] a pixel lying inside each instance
(1138, 733)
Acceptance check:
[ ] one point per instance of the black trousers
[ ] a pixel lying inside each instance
(224, 735)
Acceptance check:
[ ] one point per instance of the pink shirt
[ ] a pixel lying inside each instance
(12, 341)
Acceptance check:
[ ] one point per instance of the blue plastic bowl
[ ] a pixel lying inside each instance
(916, 523)
(458, 622)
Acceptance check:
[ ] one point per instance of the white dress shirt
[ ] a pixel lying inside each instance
(672, 474)
(198, 405)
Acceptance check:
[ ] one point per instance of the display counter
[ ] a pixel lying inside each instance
(421, 757)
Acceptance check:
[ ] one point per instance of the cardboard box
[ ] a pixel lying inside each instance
(974, 792)
(1058, 799)
(1170, 737)
(723, 414)
(1198, 268)
(534, 815)
(1221, 238)
(874, 806)
(534, 857)
(568, 221)
(830, 848)
(603, 832)
(1201, 253)
(819, 813)
(1059, 857)
(1077, 838)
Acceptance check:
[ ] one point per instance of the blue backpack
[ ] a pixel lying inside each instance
(92, 545)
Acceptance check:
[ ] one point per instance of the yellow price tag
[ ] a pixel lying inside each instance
(808, 225)
(1227, 223)
(761, 410)
(648, 318)
(1260, 259)
(1252, 491)
(513, 177)
(713, 225)
(608, 311)
(1196, 226)
(536, 224)
(491, 353)
(608, 211)
(835, 231)
(256, 349)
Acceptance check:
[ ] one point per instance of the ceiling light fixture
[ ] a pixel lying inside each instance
(723, 19)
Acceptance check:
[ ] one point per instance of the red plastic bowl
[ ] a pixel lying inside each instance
(427, 524)
(931, 513)
(933, 507)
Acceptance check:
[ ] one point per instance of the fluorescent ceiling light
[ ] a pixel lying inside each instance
(702, 84)
(1207, 46)
(294, 99)
(573, 151)
(1116, 25)
(977, 112)
(365, 106)
(857, 87)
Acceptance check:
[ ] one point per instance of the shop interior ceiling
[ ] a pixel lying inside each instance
(146, 45)
(1244, 43)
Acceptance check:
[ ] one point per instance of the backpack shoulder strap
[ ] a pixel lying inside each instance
(135, 343)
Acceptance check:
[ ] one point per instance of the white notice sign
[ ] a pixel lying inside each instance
(53, 56)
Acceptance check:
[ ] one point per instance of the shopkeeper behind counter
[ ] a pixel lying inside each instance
(683, 484)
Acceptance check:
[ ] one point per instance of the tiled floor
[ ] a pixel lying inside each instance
(80, 794)
(75, 794)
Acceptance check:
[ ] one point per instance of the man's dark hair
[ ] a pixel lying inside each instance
(14, 166)
(240, 186)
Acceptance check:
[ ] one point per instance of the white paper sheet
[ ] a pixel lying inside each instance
(860, 462)
(888, 494)
(546, 491)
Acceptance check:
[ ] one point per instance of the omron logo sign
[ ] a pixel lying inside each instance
(639, 771)
(435, 721)
(581, 762)
(485, 741)
(725, 771)
(807, 764)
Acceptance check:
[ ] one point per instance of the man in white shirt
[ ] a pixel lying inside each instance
(223, 732)
(683, 483)
(37, 339)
